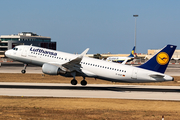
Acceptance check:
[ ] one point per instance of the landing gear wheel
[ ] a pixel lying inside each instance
(74, 82)
(23, 71)
(83, 82)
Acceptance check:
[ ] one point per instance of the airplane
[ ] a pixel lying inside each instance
(71, 65)
(122, 60)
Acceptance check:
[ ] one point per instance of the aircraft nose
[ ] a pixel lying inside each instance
(7, 53)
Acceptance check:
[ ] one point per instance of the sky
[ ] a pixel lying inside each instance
(101, 25)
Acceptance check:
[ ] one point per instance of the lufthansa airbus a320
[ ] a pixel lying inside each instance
(71, 65)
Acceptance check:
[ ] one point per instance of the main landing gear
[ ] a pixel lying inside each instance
(83, 82)
(74, 81)
(23, 71)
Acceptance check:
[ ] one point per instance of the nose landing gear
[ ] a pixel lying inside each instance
(23, 71)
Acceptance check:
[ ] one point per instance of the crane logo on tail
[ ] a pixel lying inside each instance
(162, 58)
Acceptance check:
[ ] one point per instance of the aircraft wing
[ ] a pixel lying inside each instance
(124, 62)
(74, 65)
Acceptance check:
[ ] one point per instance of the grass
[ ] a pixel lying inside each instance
(86, 109)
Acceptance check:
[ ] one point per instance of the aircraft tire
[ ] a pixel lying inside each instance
(23, 71)
(83, 82)
(74, 82)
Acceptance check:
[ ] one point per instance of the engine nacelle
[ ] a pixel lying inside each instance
(52, 69)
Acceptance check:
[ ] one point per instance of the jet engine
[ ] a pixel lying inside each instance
(52, 69)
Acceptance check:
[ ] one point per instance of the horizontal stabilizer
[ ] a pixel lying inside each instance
(156, 76)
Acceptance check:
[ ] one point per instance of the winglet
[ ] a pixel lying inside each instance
(83, 53)
(73, 65)
(160, 61)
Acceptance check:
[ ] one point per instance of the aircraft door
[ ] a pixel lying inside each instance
(24, 52)
(134, 74)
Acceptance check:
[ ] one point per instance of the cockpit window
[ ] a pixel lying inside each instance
(15, 48)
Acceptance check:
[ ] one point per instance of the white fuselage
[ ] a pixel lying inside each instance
(89, 66)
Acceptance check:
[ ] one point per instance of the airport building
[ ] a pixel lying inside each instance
(24, 38)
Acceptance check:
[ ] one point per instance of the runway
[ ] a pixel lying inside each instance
(91, 91)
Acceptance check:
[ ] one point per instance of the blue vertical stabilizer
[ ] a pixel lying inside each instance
(160, 61)
(132, 52)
